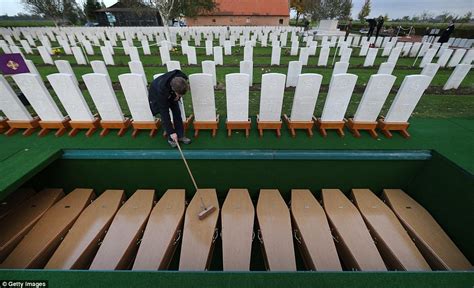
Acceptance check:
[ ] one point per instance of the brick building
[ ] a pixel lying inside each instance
(245, 12)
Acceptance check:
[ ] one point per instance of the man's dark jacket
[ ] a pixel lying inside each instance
(161, 97)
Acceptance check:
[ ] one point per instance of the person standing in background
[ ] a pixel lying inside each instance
(447, 33)
(379, 26)
(348, 29)
(372, 23)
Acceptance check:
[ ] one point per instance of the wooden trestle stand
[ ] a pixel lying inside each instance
(3, 125)
(330, 125)
(355, 126)
(91, 126)
(145, 125)
(121, 125)
(30, 126)
(386, 128)
(293, 125)
(238, 125)
(206, 125)
(186, 124)
(268, 125)
(61, 126)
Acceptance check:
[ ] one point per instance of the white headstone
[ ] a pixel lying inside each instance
(323, 56)
(248, 53)
(208, 47)
(165, 55)
(209, 67)
(456, 59)
(136, 67)
(173, 65)
(133, 53)
(409, 93)
(125, 46)
(469, 57)
(31, 67)
(108, 59)
(443, 59)
(430, 69)
(346, 55)
(394, 55)
(304, 55)
(364, 49)
(386, 68)
(237, 96)
(35, 91)
(191, 54)
(64, 67)
(77, 52)
(415, 49)
(26, 46)
(340, 68)
(306, 95)
(457, 76)
(45, 55)
(294, 71)
(387, 49)
(218, 58)
(424, 47)
(136, 95)
(145, 47)
(338, 97)
(429, 55)
(202, 95)
(10, 104)
(406, 49)
(246, 67)
(227, 47)
(88, 47)
(294, 48)
(271, 98)
(98, 67)
(370, 58)
(70, 96)
(102, 93)
(276, 52)
(374, 97)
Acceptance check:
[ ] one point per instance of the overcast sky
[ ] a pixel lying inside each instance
(394, 8)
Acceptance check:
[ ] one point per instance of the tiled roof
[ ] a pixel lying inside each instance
(252, 7)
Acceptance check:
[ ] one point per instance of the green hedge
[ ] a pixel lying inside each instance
(26, 23)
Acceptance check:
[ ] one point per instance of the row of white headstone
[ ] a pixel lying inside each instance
(203, 99)
(447, 57)
(246, 67)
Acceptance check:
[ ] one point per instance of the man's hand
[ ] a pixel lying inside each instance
(174, 137)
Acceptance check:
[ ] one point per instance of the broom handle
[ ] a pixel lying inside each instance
(187, 167)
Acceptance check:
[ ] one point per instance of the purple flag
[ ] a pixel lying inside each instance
(13, 64)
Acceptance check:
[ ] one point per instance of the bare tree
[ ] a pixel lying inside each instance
(53, 9)
(165, 8)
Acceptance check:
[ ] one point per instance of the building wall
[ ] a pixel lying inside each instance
(214, 20)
